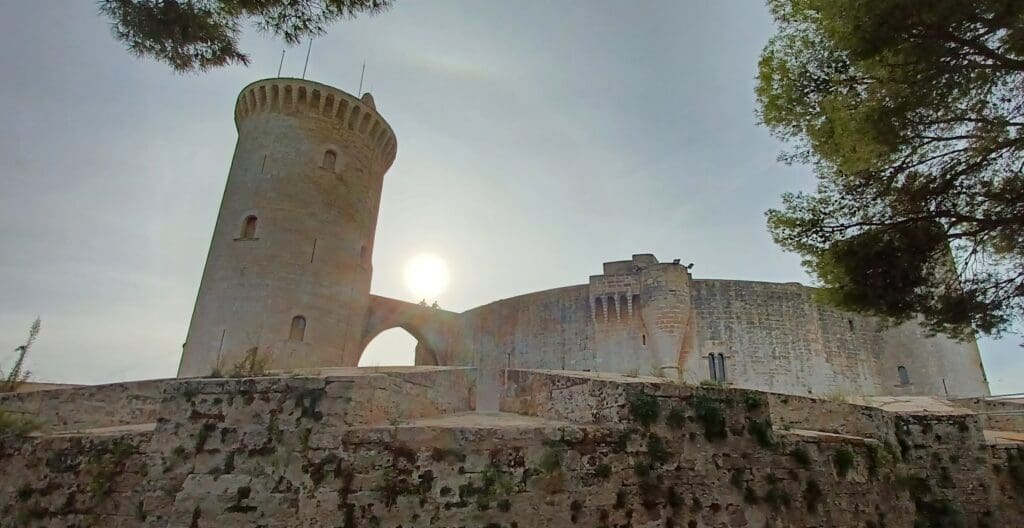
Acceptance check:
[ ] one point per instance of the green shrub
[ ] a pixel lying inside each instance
(843, 460)
(676, 417)
(710, 414)
(736, 478)
(777, 497)
(12, 424)
(753, 401)
(879, 456)
(11, 380)
(672, 498)
(642, 468)
(104, 466)
(622, 442)
(551, 460)
(620, 499)
(603, 471)
(761, 430)
(812, 495)
(644, 408)
(1015, 464)
(801, 456)
(656, 450)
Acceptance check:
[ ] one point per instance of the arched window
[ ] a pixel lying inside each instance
(712, 367)
(904, 377)
(249, 227)
(599, 308)
(721, 367)
(330, 158)
(298, 330)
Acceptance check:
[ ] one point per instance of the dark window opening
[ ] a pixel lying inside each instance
(249, 227)
(298, 330)
(716, 367)
(330, 159)
(643, 337)
(599, 307)
(904, 376)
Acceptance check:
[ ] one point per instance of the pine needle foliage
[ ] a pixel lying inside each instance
(199, 35)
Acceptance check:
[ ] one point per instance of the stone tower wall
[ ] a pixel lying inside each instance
(310, 254)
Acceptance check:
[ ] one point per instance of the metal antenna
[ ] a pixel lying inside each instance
(280, 64)
(310, 48)
(361, 74)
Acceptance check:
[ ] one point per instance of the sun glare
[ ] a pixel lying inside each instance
(426, 276)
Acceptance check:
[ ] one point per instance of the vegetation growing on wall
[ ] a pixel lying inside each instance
(18, 374)
(711, 415)
(644, 408)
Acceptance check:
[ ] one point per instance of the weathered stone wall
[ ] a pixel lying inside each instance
(645, 317)
(1001, 415)
(776, 338)
(798, 412)
(295, 453)
(936, 365)
(88, 407)
(75, 481)
(548, 329)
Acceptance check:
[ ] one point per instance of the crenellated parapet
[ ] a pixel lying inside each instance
(299, 96)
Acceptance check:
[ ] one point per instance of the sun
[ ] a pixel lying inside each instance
(426, 276)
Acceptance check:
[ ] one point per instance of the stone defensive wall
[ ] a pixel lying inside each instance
(650, 318)
(569, 448)
(90, 406)
(998, 414)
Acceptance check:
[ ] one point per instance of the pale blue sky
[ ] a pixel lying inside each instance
(536, 141)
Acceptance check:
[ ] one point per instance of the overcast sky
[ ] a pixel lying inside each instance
(536, 141)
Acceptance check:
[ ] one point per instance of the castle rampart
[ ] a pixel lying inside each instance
(402, 447)
(651, 318)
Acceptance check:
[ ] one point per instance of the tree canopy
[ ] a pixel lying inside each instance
(911, 114)
(198, 35)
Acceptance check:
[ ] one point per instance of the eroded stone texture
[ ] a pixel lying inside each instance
(569, 449)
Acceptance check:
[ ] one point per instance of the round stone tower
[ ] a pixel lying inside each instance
(287, 279)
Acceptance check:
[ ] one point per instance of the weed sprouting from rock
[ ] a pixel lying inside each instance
(843, 460)
(676, 417)
(761, 430)
(644, 408)
(710, 414)
(801, 456)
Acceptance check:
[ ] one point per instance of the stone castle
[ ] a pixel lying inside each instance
(290, 268)
(643, 398)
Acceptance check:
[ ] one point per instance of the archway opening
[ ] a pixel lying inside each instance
(393, 347)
